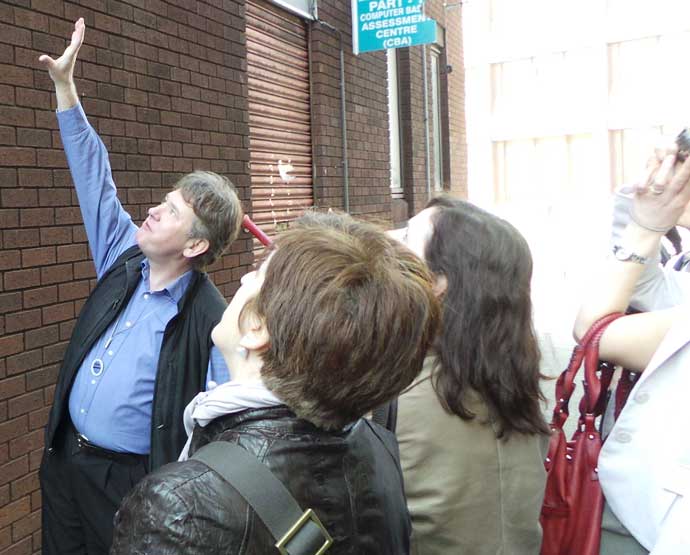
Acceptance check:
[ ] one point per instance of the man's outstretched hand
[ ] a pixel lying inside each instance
(61, 71)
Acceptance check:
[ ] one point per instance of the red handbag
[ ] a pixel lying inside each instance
(573, 500)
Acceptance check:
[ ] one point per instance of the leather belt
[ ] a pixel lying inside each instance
(86, 446)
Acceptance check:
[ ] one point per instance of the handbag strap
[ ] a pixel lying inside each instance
(586, 350)
(296, 532)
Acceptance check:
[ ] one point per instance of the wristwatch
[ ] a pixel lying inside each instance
(626, 255)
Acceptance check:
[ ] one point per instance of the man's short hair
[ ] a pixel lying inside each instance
(218, 212)
(350, 314)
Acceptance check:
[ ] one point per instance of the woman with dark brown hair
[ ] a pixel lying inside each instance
(470, 427)
(336, 321)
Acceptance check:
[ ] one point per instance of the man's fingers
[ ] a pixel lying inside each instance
(648, 174)
(46, 60)
(78, 34)
(665, 173)
(681, 178)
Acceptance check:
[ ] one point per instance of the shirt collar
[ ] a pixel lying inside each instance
(176, 288)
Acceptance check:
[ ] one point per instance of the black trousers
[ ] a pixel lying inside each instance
(81, 492)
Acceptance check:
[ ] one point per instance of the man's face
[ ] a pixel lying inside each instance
(165, 233)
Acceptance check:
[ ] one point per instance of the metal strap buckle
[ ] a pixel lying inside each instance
(309, 515)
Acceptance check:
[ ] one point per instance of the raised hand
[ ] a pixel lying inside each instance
(61, 71)
(663, 193)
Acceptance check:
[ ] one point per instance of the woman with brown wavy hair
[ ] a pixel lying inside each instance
(470, 427)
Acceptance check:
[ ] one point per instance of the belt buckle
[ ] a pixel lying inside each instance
(308, 516)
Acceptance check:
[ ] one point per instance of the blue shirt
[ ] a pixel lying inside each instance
(112, 394)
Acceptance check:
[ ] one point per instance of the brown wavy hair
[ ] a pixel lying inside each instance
(487, 342)
(350, 314)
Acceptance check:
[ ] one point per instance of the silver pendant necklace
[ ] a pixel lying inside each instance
(97, 365)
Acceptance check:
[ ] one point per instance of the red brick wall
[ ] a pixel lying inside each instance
(165, 87)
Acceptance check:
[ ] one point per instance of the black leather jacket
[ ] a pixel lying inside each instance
(351, 479)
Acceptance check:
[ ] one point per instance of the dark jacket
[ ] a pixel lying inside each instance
(352, 480)
(183, 360)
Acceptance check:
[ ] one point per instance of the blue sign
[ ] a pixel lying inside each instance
(382, 24)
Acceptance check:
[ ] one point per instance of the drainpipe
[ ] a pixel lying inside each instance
(343, 118)
(314, 172)
(427, 147)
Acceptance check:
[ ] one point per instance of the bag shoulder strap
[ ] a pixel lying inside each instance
(296, 532)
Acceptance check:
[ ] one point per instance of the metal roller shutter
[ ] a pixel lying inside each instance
(279, 116)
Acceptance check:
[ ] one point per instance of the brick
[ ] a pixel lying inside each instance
(10, 260)
(67, 327)
(33, 177)
(40, 256)
(24, 486)
(68, 215)
(58, 313)
(23, 404)
(6, 534)
(33, 98)
(71, 253)
(10, 302)
(20, 279)
(9, 218)
(7, 95)
(22, 362)
(15, 156)
(13, 115)
(26, 526)
(39, 418)
(8, 431)
(18, 197)
(55, 235)
(123, 111)
(54, 353)
(8, 136)
(73, 290)
(111, 127)
(25, 320)
(18, 238)
(37, 217)
(42, 377)
(11, 387)
(45, 119)
(34, 137)
(138, 163)
(34, 462)
(40, 296)
(14, 511)
(51, 158)
(41, 337)
(25, 444)
(56, 274)
(55, 197)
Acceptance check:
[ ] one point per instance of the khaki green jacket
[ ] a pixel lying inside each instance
(468, 493)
